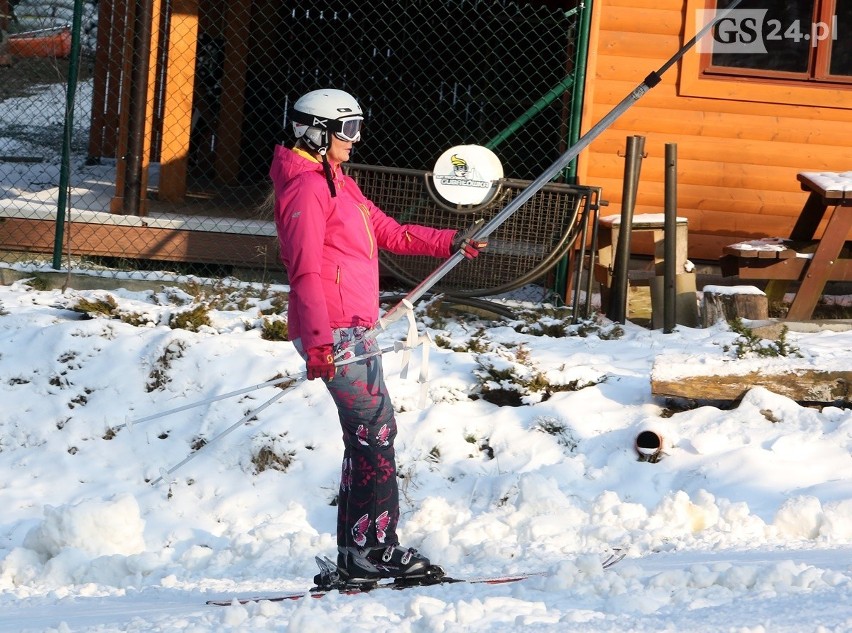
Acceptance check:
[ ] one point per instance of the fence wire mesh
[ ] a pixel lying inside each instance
(178, 104)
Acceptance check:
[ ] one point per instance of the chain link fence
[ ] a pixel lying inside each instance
(161, 163)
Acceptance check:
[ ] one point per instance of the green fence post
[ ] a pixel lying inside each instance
(579, 86)
(585, 20)
(67, 132)
(548, 97)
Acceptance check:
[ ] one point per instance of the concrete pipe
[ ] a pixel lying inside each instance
(649, 446)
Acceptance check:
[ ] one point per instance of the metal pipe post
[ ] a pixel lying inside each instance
(617, 308)
(670, 240)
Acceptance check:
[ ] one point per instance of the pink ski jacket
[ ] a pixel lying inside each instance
(330, 246)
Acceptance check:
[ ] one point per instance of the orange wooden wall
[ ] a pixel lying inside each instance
(740, 145)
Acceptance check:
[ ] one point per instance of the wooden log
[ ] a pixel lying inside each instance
(726, 303)
(802, 385)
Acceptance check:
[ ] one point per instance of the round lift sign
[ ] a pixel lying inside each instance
(467, 174)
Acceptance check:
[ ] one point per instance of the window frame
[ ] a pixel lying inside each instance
(760, 86)
(819, 62)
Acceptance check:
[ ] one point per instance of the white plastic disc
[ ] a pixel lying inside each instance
(467, 174)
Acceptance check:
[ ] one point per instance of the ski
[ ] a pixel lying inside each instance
(327, 567)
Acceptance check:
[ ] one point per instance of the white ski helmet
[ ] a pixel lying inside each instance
(320, 112)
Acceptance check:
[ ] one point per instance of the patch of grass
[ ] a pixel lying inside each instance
(558, 429)
(37, 282)
(547, 320)
(444, 342)
(136, 319)
(277, 304)
(274, 330)
(478, 343)
(159, 377)
(510, 378)
(269, 454)
(434, 314)
(191, 320)
(106, 307)
(80, 400)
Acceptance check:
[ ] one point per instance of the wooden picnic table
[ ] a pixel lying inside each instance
(801, 258)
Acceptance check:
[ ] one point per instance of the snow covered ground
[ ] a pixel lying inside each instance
(744, 525)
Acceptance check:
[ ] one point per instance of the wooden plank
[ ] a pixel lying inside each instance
(836, 194)
(643, 19)
(142, 242)
(177, 111)
(788, 270)
(824, 266)
(731, 174)
(5, 14)
(745, 151)
(650, 46)
(737, 205)
(229, 129)
(831, 102)
(753, 126)
(151, 101)
(801, 385)
(118, 66)
(122, 127)
(100, 79)
(668, 5)
(731, 221)
(745, 253)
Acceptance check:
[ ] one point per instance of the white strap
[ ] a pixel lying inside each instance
(426, 342)
(413, 340)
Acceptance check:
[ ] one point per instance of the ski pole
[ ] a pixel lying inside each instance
(230, 394)
(269, 383)
(654, 78)
(248, 416)
(251, 414)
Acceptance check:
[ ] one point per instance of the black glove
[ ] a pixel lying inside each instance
(469, 245)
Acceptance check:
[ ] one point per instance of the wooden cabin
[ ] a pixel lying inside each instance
(741, 139)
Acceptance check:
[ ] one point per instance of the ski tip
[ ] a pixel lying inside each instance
(616, 556)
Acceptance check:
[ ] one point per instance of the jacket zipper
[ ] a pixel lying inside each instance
(365, 216)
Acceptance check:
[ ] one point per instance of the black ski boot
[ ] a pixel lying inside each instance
(358, 566)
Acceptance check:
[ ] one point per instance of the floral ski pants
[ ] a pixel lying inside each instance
(368, 501)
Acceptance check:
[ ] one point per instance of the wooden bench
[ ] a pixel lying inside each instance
(801, 258)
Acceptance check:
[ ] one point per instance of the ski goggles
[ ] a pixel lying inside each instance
(347, 129)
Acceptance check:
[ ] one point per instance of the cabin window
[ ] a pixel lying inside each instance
(794, 40)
